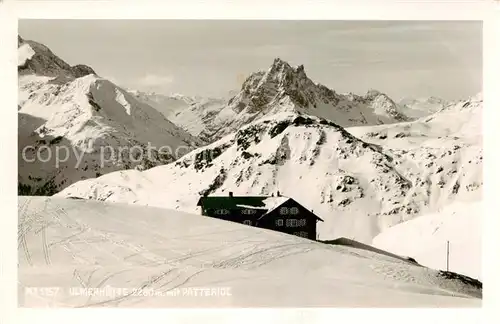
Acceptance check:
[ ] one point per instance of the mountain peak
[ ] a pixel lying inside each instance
(281, 84)
(278, 79)
(372, 93)
(279, 63)
(42, 61)
(280, 66)
(283, 89)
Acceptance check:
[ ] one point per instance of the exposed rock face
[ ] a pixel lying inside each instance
(81, 70)
(283, 88)
(45, 63)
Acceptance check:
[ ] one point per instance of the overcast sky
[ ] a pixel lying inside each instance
(211, 58)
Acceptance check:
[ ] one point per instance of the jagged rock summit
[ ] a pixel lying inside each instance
(280, 81)
(283, 88)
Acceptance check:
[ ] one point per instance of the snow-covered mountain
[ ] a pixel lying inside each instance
(194, 114)
(280, 89)
(166, 104)
(421, 107)
(361, 181)
(405, 177)
(364, 164)
(36, 58)
(103, 254)
(283, 88)
(75, 125)
(458, 124)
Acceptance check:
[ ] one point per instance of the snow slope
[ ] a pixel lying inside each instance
(425, 238)
(67, 247)
(94, 126)
(359, 187)
(458, 121)
(446, 146)
(194, 114)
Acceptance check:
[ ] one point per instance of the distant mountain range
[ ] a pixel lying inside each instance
(281, 88)
(416, 108)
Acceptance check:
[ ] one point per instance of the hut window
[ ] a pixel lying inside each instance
(283, 211)
(302, 222)
(222, 211)
(248, 211)
(247, 222)
(279, 222)
(294, 210)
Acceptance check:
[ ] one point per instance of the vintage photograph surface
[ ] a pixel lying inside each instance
(205, 163)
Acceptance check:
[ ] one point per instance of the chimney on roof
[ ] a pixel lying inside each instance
(272, 194)
(230, 194)
(278, 194)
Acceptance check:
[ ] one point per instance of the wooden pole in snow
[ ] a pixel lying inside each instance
(447, 255)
